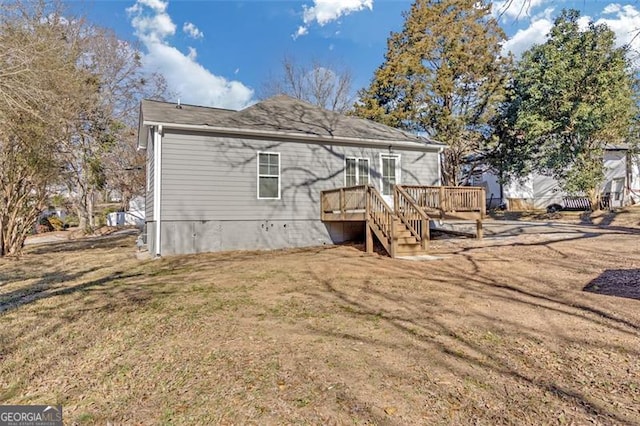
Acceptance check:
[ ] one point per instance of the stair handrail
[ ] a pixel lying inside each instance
(379, 212)
(406, 209)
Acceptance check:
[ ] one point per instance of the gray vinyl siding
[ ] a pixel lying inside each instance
(206, 177)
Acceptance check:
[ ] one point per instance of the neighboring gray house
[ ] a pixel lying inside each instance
(621, 184)
(251, 179)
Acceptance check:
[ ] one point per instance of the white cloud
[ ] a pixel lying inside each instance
(192, 82)
(193, 53)
(611, 8)
(325, 11)
(151, 28)
(536, 33)
(302, 30)
(515, 8)
(625, 24)
(192, 31)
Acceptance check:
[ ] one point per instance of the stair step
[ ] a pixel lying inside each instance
(400, 231)
(407, 240)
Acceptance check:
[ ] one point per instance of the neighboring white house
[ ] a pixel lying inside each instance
(621, 185)
(135, 216)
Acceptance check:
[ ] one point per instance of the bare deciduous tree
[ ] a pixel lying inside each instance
(68, 100)
(37, 87)
(324, 85)
(110, 96)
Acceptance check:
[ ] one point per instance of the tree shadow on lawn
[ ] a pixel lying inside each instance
(86, 243)
(424, 322)
(616, 282)
(42, 289)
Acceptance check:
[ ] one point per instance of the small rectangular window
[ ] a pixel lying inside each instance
(356, 171)
(363, 171)
(268, 175)
(351, 174)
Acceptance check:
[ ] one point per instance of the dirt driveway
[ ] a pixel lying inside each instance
(529, 328)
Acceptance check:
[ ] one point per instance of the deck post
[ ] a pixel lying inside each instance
(368, 241)
(479, 229)
(441, 201)
(343, 205)
(425, 233)
(322, 206)
(483, 203)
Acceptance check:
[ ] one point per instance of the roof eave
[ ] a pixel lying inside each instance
(300, 137)
(142, 131)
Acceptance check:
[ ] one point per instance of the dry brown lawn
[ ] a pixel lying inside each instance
(524, 330)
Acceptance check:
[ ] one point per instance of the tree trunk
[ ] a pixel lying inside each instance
(594, 198)
(450, 168)
(84, 222)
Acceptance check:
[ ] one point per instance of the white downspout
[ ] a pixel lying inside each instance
(157, 157)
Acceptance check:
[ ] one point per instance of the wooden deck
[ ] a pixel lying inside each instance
(403, 229)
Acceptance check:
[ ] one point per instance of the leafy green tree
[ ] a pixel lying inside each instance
(443, 75)
(570, 98)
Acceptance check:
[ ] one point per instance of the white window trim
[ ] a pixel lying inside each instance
(398, 169)
(258, 175)
(358, 159)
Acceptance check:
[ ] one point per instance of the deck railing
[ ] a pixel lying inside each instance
(382, 216)
(449, 198)
(412, 206)
(414, 217)
(362, 201)
(343, 200)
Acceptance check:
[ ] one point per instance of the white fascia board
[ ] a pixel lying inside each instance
(379, 143)
(143, 133)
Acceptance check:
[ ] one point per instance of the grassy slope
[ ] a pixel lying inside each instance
(489, 335)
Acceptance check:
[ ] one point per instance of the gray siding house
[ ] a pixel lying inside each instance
(251, 179)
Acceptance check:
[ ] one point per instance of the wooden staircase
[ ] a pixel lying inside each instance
(404, 229)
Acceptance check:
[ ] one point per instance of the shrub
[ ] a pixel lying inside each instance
(43, 226)
(56, 223)
(71, 220)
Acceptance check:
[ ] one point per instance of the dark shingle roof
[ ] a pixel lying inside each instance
(281, 114)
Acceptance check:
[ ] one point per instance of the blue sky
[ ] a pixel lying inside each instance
(219, 53)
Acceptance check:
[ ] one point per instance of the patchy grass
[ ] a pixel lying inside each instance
(491, 334)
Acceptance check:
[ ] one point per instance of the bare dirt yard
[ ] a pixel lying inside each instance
(524, 327)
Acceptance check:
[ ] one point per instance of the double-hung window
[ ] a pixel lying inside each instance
(356, 171)
(268, 175)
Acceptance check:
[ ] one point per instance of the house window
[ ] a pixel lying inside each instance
(268, 175)
(356, 171)
(390, 167)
